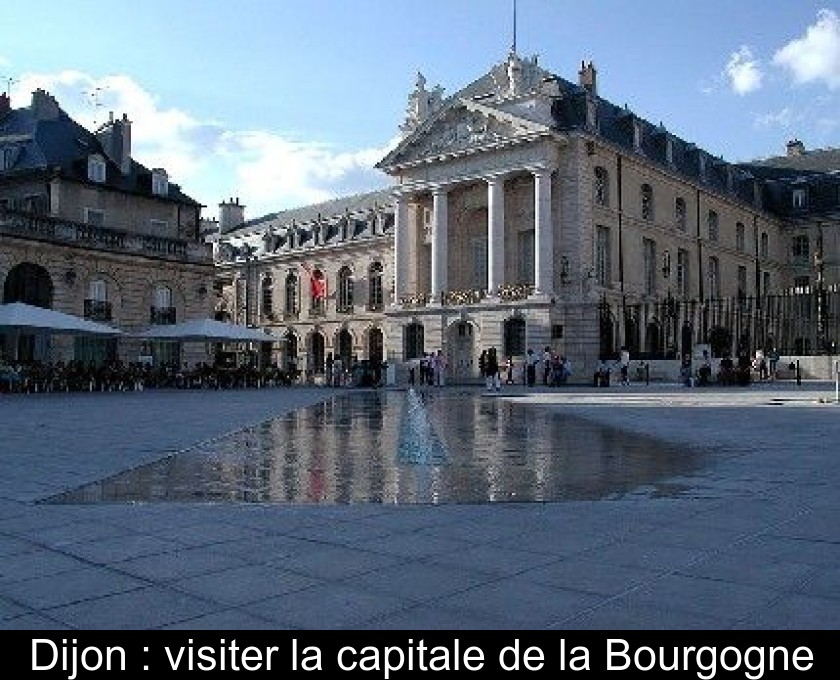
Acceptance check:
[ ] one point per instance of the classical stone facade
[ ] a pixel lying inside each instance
(86, 230)
(529, 212)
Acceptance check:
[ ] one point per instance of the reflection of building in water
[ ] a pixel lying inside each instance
(345, 451)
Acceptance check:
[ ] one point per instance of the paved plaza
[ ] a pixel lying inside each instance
(751, 539)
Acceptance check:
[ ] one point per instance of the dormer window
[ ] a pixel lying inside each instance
(96, 169)
(8, 158)
(160, 183)
(800, 198)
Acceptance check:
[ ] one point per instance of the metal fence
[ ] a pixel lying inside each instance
(799, 321)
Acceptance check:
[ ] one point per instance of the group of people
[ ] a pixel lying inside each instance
(429, 369)
(118, 376)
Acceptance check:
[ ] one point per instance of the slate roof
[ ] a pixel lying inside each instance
(328, 210)
(62, 145)
(817, 160)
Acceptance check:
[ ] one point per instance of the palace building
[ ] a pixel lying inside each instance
(526, 211)
(87, 230)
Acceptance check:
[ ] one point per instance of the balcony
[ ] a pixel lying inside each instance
(345, 309)
(415, 301)
(98, 310)
(317, 311)
(162, 316)
(519, 291)
(291, 315)
(460, 298)
(64, 232)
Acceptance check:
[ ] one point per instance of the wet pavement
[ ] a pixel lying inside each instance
(641, 507)
(453, 446)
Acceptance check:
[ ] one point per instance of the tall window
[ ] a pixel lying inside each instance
(682, 273)
(740, 237)
(525, 245)
(649, 253)
(742, 281)
(94, 217)
(98, 290)
(603, 265)
(413, 338)
(291, 309)
(478, 248)
(714, 277)
(514, 336)
(713, 223)
(602, 187)
(765, 283)
(679, 213)
(345, 291)
(268, 296)
(647, 202)
(376, 297)
(764, 248)
(801, 246)
(97, 306)
(163, 311)
(800, 198)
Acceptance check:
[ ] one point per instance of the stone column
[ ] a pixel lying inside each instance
(543, 235)
(400, 247)
(440, 220)
(495, 235)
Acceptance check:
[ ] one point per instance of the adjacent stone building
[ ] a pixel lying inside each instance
(87, 230)
(528, 212)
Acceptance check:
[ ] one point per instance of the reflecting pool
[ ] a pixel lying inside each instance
(396, 447)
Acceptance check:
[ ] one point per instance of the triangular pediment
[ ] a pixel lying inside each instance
(464, 126)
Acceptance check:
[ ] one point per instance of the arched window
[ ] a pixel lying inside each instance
(376, 297)
(291, 345)
(740, 237)
(344, 304)
(602, 186)
(316, 353)
(764, 245)
(268, 296)
(344, 347)
(292, 308)
(714, 277)
(647, 202)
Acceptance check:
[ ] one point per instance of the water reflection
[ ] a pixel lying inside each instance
(371, 447)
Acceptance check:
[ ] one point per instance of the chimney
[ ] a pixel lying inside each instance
(44, 106)
(5, 104)
(115, 137)
(795, 148)
(587, 78)
(231, 215)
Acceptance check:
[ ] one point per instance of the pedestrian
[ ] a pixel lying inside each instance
(491, 371)
(624, 361)
(531, 360)
(440, 368)
(546, 365)
(509, 380)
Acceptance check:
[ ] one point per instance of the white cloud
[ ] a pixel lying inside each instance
(266, 169)
(816, 55)
(743, 71)
(783, 118)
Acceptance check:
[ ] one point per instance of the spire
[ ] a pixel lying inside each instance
(513, 45)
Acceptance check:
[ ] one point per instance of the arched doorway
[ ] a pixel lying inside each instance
(514, 338)
(30, 284)
(344, 347)
(460, 351)
(315, 361)
(376, 346)
(653, 336)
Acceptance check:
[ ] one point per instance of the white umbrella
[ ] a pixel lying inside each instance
(207, 330)
(20, 317)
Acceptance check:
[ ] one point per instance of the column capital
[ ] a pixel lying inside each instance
(440, 189)
(541, 170)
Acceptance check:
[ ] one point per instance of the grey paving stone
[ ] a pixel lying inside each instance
(36, 564)
(142, 608)
(796, 612)
(89, 583)
(335, 562)
(244, 585)
(590, 575)
(117, 549)
(418, 581)
(179, 564)
(492, 560)
(328, 606)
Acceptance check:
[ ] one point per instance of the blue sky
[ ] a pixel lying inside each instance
(284, 103)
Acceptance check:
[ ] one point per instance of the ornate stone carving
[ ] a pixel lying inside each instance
(421, 104)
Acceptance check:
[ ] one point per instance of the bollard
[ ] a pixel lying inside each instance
(837, 382)
(647, 374)
(798, 373)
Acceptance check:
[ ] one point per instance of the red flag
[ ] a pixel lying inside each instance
(317, 282)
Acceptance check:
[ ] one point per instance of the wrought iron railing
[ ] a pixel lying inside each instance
(162, 316)
(98, 310)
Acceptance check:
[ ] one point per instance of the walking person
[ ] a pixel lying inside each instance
(547, 366)
(491, 371)
(531, 360)
(440, 369)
